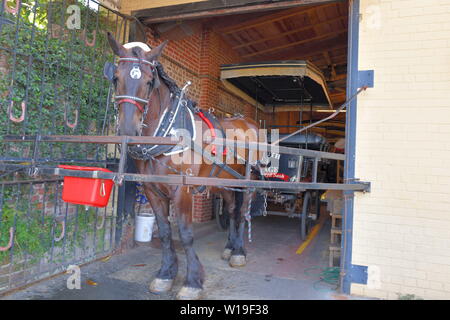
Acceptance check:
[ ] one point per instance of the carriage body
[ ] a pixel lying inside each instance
(294, 168)
(291, 168)
(302, 204)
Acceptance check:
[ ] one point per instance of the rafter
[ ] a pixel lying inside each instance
(295, 43)
(275, 17)
(338, 77)
(330, 63)
(282, 34)
(214, 8)
(316, 50)
(321, 62)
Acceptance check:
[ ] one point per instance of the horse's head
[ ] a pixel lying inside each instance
(134, 78)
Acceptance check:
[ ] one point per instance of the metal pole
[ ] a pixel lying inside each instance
(350, 141)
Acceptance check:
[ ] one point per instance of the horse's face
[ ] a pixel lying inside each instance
(134, 82)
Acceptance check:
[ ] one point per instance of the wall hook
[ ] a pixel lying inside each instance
(22, 116)
(63, 231)
(11, 237)
(12, 10)
(66, 118)
(86, 41)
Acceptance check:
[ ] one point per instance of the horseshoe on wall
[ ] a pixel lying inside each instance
(63, 231)
(86, 41)
(22, 116)
(12, 10)
(66, 118)
(11, 237)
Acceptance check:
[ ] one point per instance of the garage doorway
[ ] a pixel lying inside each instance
(318, 33)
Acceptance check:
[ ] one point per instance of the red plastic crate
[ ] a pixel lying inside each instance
(87, 191)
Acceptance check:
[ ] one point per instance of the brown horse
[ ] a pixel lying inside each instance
(143, 92)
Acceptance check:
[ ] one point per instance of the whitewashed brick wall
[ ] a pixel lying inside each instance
(403, 148)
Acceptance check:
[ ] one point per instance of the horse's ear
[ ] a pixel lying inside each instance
(116, 47)
(155, 53)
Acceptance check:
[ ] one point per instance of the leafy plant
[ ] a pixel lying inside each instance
(53, 70)
(57, 74)
(34, 230)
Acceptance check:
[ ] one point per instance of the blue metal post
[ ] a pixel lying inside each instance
(350, 141)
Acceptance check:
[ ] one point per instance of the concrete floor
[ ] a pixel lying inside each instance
(273, 271)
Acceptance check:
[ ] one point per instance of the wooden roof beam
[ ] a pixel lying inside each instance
(315, 50)
(296, 43)
(331, 65)
(321, 62)
(275, 17)
(214, 8)
(338, 77)
(283, 34)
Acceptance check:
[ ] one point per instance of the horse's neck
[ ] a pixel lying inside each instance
(159, 101)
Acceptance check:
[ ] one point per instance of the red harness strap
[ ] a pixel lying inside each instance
(213, 132)
(132, 102)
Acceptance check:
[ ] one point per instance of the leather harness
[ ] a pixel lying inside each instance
(179, 108)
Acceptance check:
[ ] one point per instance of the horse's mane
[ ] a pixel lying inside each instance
(170, 83)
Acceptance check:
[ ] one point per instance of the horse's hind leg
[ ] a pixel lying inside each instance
(193, 286)
(239, 254)
(169, 266)
(230, 205)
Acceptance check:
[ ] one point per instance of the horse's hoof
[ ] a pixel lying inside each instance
(237, 261)
(187, 293)
(160, 285)
(226, 254)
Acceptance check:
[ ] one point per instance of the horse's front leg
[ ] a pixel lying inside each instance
(169, 265)
(193, 285)
(239, 254)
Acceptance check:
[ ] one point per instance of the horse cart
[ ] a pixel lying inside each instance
(285, 84)
(304, 204)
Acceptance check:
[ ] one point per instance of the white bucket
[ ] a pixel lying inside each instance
(144, 227)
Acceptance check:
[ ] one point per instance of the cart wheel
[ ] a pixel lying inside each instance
(317, 204)
(306, 221)
(221, 215)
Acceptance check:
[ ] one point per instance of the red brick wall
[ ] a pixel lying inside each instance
(198, 58)
(202, 207)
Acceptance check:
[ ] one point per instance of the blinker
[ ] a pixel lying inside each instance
(109, 70)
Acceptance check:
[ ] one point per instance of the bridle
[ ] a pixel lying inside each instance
(137, 101)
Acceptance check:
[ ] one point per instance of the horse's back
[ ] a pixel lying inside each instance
(242, 128)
